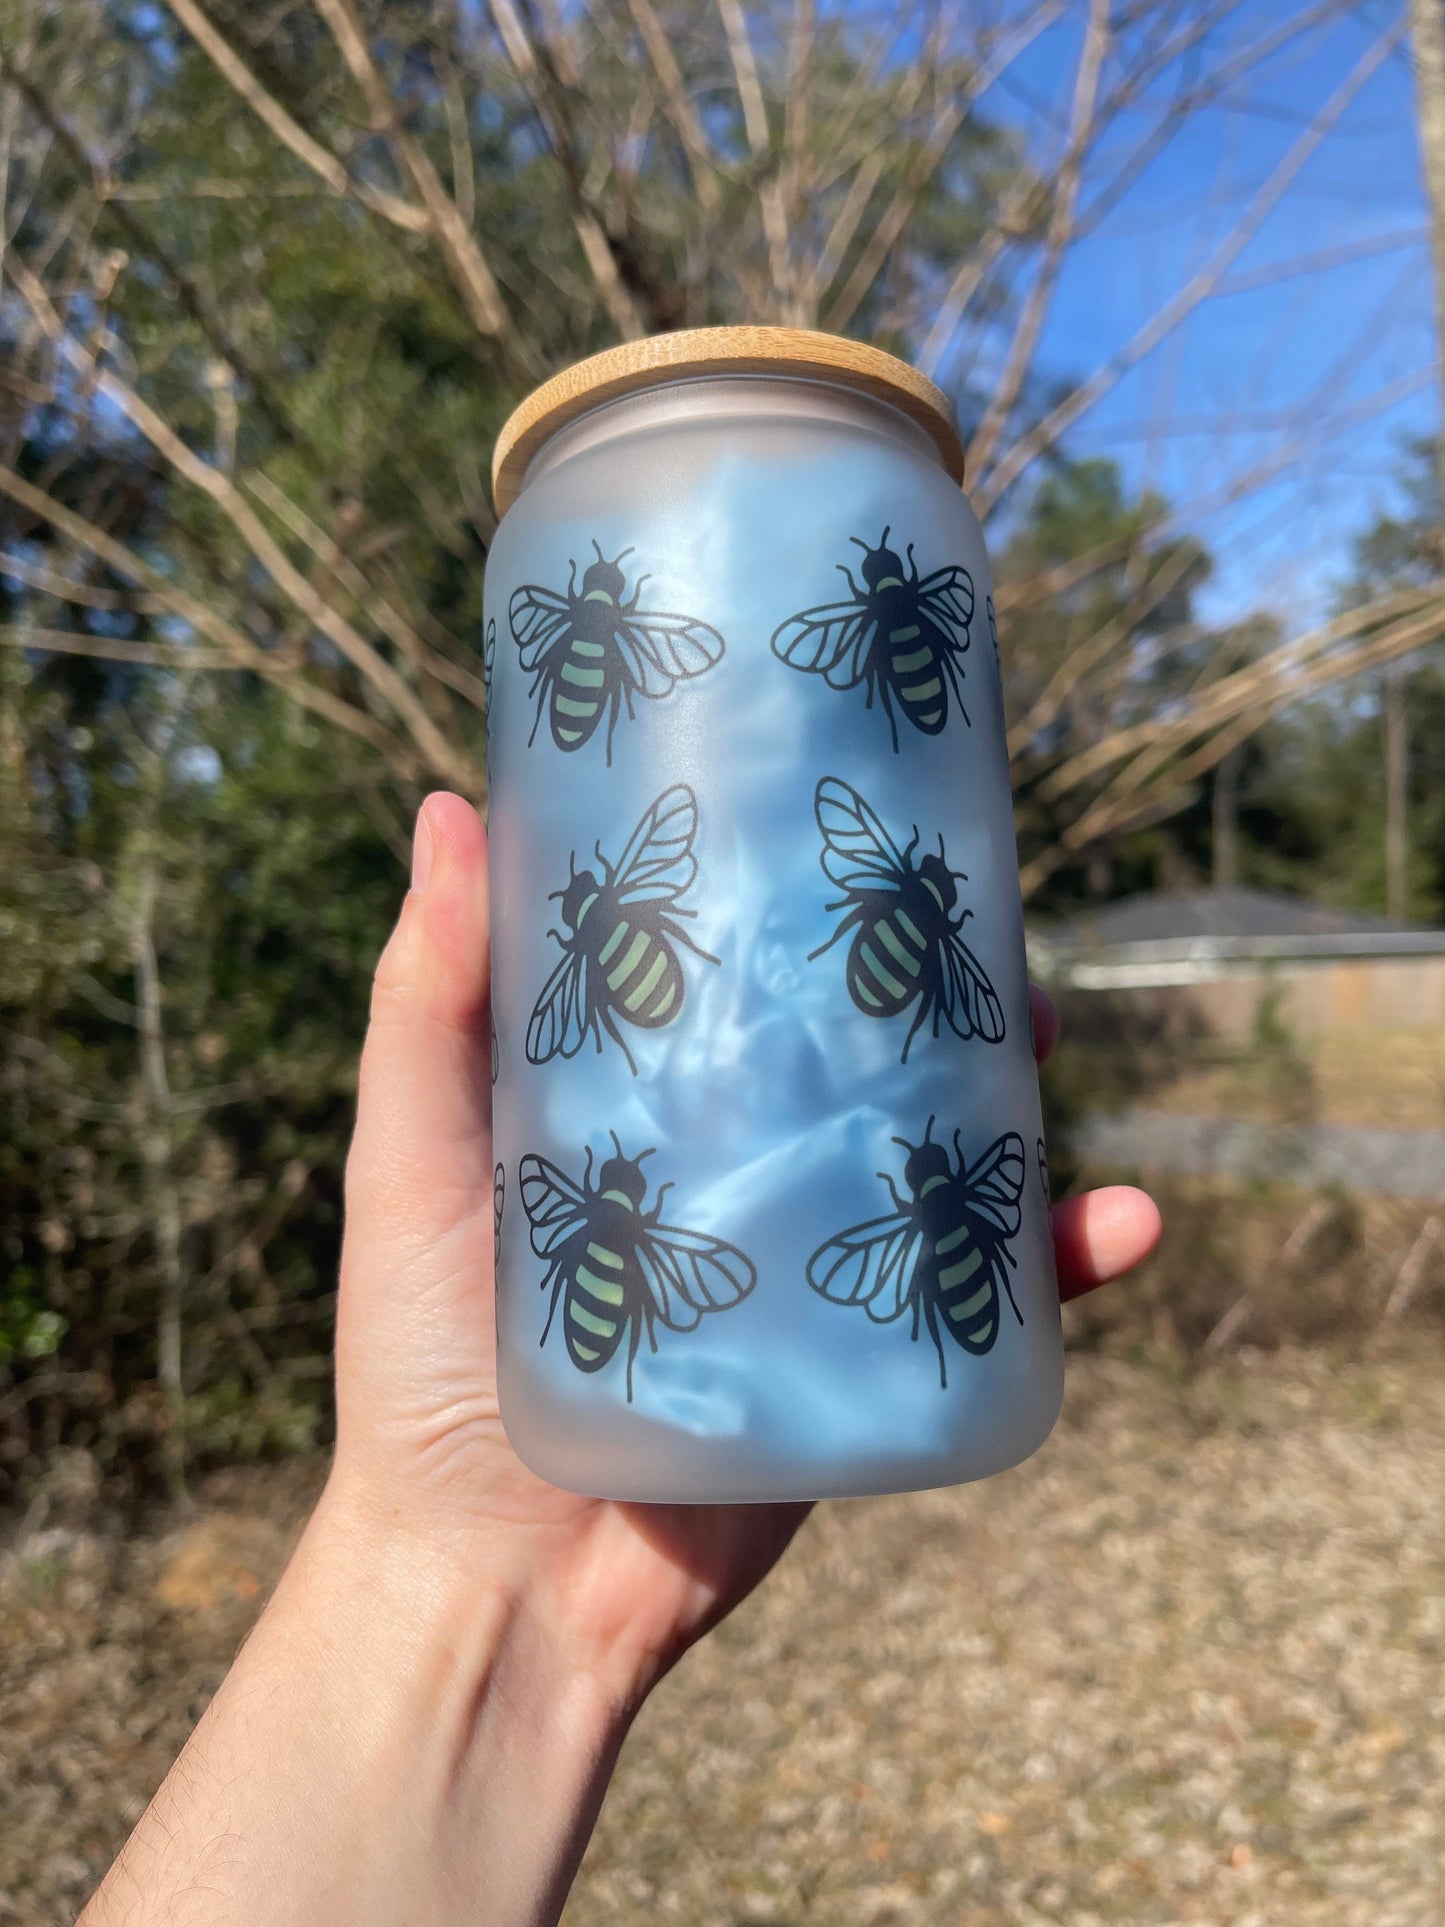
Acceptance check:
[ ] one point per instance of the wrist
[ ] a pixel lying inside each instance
(403, 1737)
(483, 1733)
(529, 1568)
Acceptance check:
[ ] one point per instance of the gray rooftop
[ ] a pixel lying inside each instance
(1229, 913)
(1192, 934)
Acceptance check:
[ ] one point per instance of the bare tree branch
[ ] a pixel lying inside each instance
(1322, 429)
(464, 171)
(1211, 86)
(309, 151)
(76, 642)
(1057, 236)
(437, 751)
(1015, 220)
(986, 489)
(680, 110)
(745, 72)
(236, 650)
(539, 77)
(211, 324)
(1234, 709)
(1283, 675)
(1321, 260)
(470, 273)
(388, 617)
(1085, 656)
(49, 583)
(783, 195)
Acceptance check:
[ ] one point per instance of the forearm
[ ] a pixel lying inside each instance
(397, 1743)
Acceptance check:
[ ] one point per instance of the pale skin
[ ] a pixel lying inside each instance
(420, 1730)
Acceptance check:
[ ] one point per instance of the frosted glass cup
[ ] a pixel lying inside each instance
(771, 1199)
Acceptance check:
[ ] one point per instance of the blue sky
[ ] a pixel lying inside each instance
(1252, 371)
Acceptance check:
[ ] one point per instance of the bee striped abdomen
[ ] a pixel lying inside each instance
(595, 1318)
(967, 1291)
(579, 692)
(916, 677)
(643, 975)
(886, 960)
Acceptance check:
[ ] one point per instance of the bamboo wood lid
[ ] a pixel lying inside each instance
(718, 351)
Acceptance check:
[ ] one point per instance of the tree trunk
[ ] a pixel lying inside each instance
(1224, 851)
(1397, 781)
(1427, 34)
(1099, 871)
(158, 1151)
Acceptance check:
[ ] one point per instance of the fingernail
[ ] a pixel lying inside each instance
(422, 844)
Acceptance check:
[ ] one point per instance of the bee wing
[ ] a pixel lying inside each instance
(995, 1184)
(558, 1025)
(970, 1002)
(556, 1208)
(947, 596)
(658, 863)
(689, 1273)
(834, 641)
(538, 618)
(489, 659)
(660, 650)
(870, 1264)
(858, 853)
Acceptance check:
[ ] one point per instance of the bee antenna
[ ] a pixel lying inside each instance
(861, 544)
(929, 1132)
(941, 857)
(904, 1142)
(553, 895)
(613, 1135)
(598, 546)
(650, 1152)
(622, 554)
(883, 539)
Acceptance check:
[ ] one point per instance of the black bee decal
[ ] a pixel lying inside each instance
(619, 948)
(499, 1200)
(496, 1053)
(614, 1268)
(591, 650)
(992, 624)
(901, 636)
(489, 662)
(942, 1253)
(1043, 1158)
(906, 945)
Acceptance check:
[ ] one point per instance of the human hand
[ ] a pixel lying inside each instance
(507, 1629)
(627, 1586)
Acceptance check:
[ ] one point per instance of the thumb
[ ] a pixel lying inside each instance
(416, 1261)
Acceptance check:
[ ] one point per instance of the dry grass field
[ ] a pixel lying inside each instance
(1188, 1666)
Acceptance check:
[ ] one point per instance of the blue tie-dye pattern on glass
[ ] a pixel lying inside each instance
(771, 1101)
